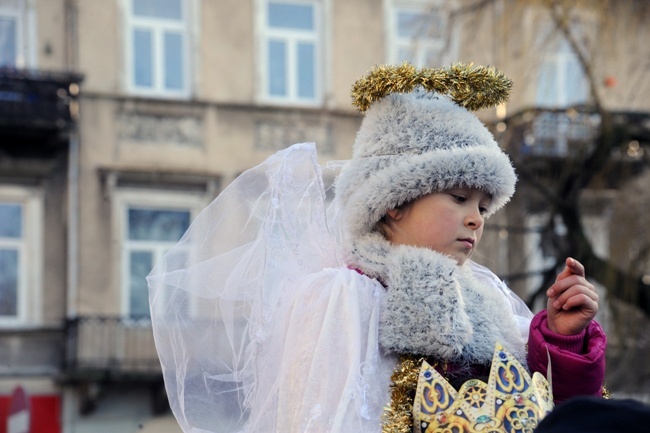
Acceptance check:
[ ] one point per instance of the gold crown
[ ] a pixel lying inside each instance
(510, 402)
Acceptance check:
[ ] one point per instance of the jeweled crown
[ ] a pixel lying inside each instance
(510, 402)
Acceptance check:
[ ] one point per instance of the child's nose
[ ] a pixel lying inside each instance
(474, 219)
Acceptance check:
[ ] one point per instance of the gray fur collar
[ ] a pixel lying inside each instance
(433, 306)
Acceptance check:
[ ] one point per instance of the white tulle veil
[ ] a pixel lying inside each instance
(214, 295)
(259, 324)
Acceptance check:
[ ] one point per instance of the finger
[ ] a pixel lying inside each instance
(564, 284)
(563, 293)
(580, 302)
(566, 272)
(575, 266)
(569, 296)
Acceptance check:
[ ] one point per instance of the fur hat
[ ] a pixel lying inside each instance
(417, 142)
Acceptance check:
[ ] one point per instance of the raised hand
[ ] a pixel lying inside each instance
(572, 300)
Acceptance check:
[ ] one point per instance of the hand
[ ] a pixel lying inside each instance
(572, 300)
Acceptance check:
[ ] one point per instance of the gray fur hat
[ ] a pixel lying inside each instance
(412, 144)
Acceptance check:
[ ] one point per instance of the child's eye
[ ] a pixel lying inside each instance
(483, 210)
(458, 198)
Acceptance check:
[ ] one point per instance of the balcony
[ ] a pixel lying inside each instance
(548, 144)
(31, 351)
(111, 348)
(560, 134)
(37, 103)
(88, 349)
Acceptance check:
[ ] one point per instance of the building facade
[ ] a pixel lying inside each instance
(121, 119)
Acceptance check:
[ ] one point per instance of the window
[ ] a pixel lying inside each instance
(419, 33)
(561, 80)
(11, 255)
(157, 38)
(291, 51)
(150, 233)
(151, 223)
(8, 39)
(20, 255)
(15, 46)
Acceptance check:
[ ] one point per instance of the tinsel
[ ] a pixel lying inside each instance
(606, 392)
(471, 87)
(398, 415)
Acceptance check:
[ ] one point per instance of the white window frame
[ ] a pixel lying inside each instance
(126, 198)
(561, 60)
(30, 253)
(554, 52)
(158, 26)
(421, 45)
(292, 37)
(23, 11)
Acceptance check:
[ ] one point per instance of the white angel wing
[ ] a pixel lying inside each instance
(215, 295)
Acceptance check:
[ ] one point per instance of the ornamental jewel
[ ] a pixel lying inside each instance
(511, 401)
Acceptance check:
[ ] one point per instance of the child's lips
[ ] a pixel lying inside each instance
(469, 242)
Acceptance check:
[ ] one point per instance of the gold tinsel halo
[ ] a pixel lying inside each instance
(471, 87)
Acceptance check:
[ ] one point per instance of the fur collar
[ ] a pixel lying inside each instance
(434, 307)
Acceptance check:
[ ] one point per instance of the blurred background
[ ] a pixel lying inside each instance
(121, 119)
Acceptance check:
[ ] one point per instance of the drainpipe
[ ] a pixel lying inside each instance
(70, 398)
(71, 15)
(73, 224)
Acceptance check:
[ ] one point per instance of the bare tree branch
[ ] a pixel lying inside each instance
(471, 8)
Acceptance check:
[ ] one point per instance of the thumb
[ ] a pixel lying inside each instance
(566, 272)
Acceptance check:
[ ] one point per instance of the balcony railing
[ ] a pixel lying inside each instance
(111, 347)
(560, 133)
(31, 351)
(37, 100)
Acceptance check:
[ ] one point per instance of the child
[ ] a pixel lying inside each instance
(275, 314)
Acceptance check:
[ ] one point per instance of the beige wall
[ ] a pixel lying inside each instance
(50, 46)
(226, 45)
(357, 45)
(225, 132)
(54, 243)
(98, 45)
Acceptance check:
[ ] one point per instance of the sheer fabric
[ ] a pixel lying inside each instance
(259, 324)
(248, 310)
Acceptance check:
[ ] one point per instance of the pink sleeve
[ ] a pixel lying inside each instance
(577, 361)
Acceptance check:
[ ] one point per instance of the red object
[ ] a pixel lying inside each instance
(610, 81)
(44, 417)
(18, 418)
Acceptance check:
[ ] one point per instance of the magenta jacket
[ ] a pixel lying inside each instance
(577, 361)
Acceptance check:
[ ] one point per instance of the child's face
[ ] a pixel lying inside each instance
(450, 222)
